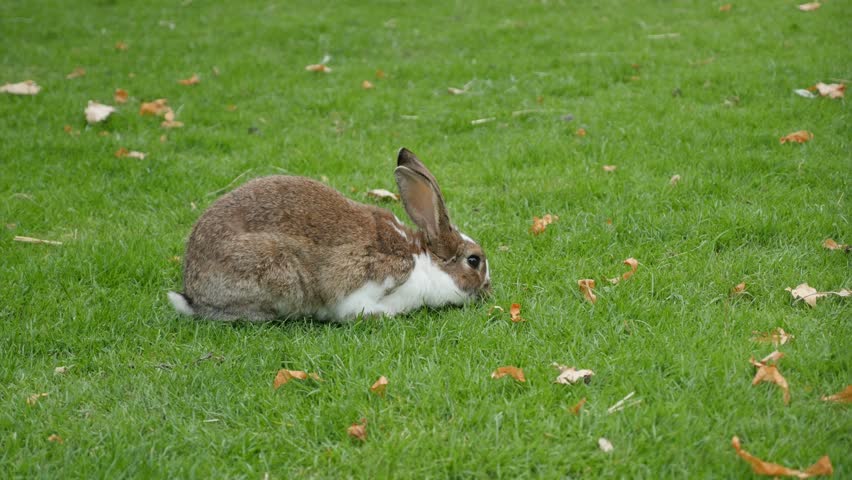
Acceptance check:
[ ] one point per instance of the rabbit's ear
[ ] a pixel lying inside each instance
(424, 203)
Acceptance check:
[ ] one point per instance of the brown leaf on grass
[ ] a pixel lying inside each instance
(515, 312)
(540, 224)
(358, 431)
(776, 337)
(121, 46)
(367, 85)
(27, 87)
(587, 286)
(123, 152)
(380, 74)
(581, 132)
(807, 293)
(609, 168)
(318, 67)
(283, 376)
(844, 396)
(120, 95)
(674, 180)
(725, 8)
(831, 90)
(70, 130)
(55, 439)
(382, 194)
(193, 80)
(630, 262)
(760, 467)
(33, 399)
(809, 7)
(738, 289)
(78, 72)
(158, 107)
(830, 244)
(575, 410)
(800, 136)
(770, 373)
(380, 386)
(511, 371)
(169, 120)
(98, 112)
(570, 375)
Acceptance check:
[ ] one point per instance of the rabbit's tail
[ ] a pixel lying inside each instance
(181, 303)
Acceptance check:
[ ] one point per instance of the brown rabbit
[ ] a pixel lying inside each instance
(283, 246)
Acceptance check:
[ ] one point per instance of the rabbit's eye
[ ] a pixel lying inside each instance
(473, 261)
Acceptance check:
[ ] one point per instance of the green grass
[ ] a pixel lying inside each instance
(137, 403)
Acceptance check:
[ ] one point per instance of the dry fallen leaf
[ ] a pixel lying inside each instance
(283, 376)
(758, 466)
(540, 224)
(380, 74)
(123, 152)
(605, 445)
(169, 120)
(844, 396)
(807, 293)
(121, 46)
(800, 136)
(318, 67)
(158, 107)
(61, 370)
(33, 399)
(804, 93)
(674, 180)
(193, 80)
(725, 8)
(576, 408)
(456, 91)
(120, 95)
(830, 244)
(609, 168)
(358, 430)
(809, 7)
(19, 238)
(777, 337)
(366, 85)
(772, 357)
(738, 289)
(380, 386)
(515, 312)
(630, 262)
(570, 375)
(511, 371)
(382, 194)
(831, 90)
(55, 439)
(581, 132)
(78, 72)
(27, 87)
(98, 112)
(770, 373)
(586, 286)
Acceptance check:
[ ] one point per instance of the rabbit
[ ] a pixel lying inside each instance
(284, 246)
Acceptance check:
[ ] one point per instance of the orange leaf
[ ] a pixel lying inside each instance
(777, 337)
(830, 244)
(285, 376)
(169, 120)
(55, 438)
(120, 96)
(123, 152)
(78, 72)
(586, 285)
(121, 46)
(358, 430)
(770, 373)
(515, 312)
(831, 90)
(511, 371)
(318, 67)
(576, 408)
(841, 397)
(738, 289)
(380, 386)
(760, 467)
(581, 132)
(366, 85)
(809, 7)
(193, 80)
(157, 107)
(725, 8)
(380, 74)
(800, 136)
(540, 224)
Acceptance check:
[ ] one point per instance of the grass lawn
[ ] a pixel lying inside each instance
(660, 88)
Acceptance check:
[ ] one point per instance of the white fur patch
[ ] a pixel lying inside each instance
(427, 285)
(466, 237)
(180, 303)
(398, 230)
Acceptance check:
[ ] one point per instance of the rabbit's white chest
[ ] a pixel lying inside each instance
(427, 285)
